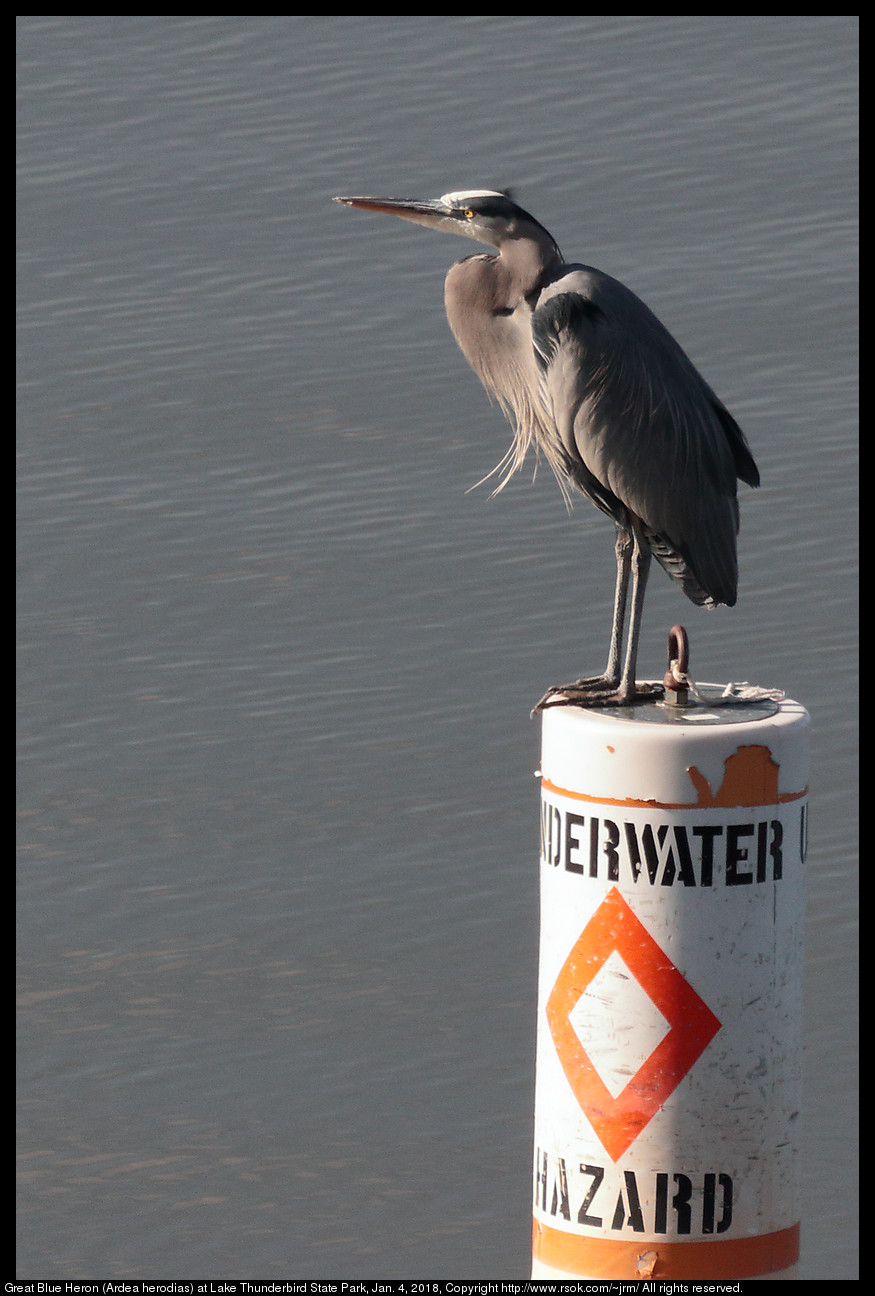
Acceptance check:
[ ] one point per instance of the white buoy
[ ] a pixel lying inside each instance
(670, 991)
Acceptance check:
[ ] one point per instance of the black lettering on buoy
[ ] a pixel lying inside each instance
(572, 844)
(737, 854)
(593, 847)
(686, 872)
(707, 833)
(660, 1214)
(775, 849)
(631, 1208)
(612, 833)
(725, 1182)
(803, 831)
(681, 1202)
(597, 1174)
(541, 1178)
(560, 1197)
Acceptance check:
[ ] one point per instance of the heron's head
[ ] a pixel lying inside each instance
(482, 214)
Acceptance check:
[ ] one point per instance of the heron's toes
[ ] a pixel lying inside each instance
(596, 692)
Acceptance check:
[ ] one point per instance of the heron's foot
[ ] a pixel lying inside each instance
(596, 692)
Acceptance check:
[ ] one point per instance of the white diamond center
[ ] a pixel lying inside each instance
(617, 1023)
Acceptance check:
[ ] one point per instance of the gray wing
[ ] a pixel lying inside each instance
(639, 430)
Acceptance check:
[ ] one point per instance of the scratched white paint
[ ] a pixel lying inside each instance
(719, 889)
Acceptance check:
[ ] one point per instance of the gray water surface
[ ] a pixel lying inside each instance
(278, 827)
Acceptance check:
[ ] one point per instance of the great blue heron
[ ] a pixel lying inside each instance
(590, 377)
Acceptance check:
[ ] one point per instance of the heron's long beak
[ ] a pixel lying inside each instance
(432, 213)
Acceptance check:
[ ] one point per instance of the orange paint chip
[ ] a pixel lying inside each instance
(750, 777)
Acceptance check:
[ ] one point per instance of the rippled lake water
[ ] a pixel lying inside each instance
(278, 828)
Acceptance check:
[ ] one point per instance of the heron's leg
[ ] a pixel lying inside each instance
(597, 687)
(624, 548)
(612, 688)
(610, 679)
(640, 563)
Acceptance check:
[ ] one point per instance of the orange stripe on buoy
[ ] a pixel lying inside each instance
(724, 1258)
(779, 799)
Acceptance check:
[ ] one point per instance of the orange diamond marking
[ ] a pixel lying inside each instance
(618, 1121)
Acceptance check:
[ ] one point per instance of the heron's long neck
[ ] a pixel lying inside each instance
(489, 302)
(520, 268)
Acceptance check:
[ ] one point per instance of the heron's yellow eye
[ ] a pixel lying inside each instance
(469, 214)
